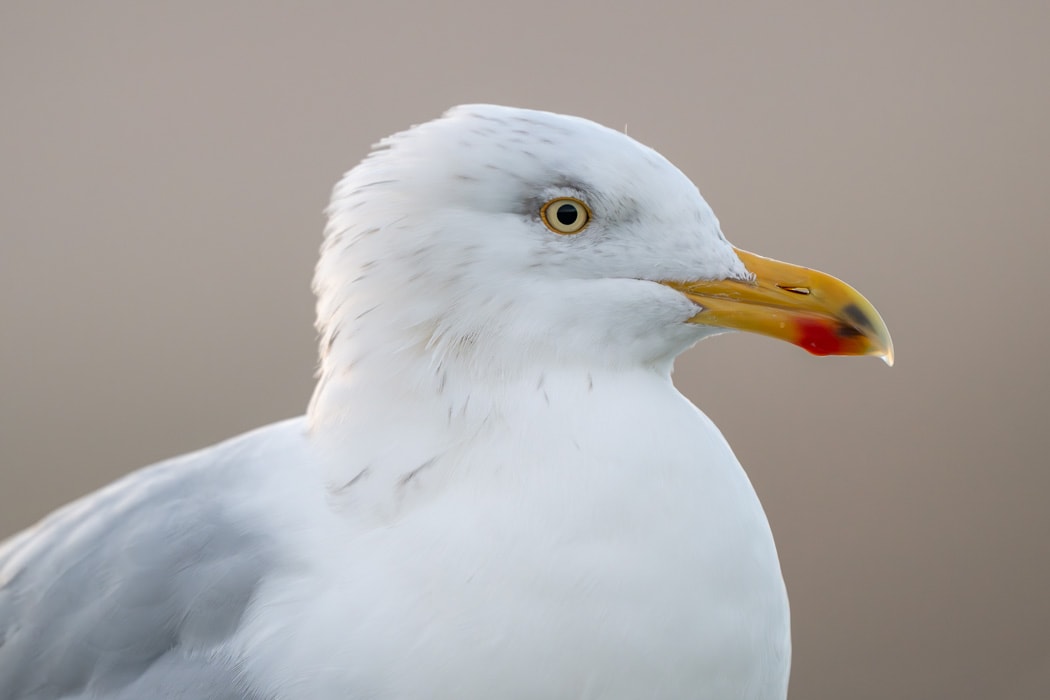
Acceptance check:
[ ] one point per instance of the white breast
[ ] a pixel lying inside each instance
(622, 555)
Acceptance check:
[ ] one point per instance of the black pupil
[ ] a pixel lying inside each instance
(567, 214)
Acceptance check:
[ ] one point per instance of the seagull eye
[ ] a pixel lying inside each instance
(565, 215)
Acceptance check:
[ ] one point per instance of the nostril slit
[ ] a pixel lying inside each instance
(795, 290)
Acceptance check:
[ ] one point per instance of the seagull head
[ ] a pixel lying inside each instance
(494, 239)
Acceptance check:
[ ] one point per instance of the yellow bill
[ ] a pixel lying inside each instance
(813, 310)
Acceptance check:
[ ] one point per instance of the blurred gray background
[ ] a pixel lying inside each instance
(163, 169)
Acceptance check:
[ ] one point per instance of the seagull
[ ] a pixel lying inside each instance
(496, 490)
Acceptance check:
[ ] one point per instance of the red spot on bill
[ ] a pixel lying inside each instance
(819, 337)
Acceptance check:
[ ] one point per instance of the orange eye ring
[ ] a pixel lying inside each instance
(565, 215)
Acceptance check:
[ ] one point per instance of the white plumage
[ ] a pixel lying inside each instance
(496, 492)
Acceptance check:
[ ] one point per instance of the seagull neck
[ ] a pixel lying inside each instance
(457, 395)
(384, 428)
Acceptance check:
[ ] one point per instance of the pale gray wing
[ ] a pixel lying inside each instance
(129, 592)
